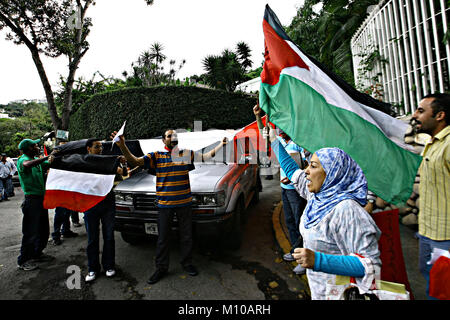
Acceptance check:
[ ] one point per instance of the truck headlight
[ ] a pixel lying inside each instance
(210, 200)
(124, 198)
(197, 200)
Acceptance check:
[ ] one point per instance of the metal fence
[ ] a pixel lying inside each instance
(402, 51)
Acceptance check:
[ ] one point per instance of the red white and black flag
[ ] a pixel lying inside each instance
(79, 181)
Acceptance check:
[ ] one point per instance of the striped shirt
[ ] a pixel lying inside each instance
(172, 178)
(434, 188)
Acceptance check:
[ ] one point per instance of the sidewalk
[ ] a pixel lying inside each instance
(410, 248)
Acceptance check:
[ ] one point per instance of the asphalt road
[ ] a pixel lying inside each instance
(254, 272)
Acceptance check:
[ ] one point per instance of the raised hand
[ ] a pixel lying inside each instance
(257, 110)
(225, 141)
(121, 141)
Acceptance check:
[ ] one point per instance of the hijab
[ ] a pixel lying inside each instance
(344, 180)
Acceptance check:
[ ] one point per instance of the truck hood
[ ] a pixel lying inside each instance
(203, 179)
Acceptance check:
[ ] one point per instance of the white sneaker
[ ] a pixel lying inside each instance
(90, 276)
(110, 273)
(299, 270)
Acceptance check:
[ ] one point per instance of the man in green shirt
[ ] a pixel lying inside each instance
(35, 223)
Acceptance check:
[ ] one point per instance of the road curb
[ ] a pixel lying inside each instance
(280, 236)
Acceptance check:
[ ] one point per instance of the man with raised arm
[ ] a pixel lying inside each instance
(173, 194)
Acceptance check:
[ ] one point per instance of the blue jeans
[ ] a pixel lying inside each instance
(10, 187)
(426, 246)
(61, 222)
(35, 228)
(293, 206)
(103, 212)
(3, 189)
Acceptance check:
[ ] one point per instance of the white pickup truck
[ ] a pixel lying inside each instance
(222, 190)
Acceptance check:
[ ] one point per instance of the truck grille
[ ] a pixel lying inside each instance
(145, 202)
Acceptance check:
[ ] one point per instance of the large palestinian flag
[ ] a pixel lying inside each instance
(318, 109)
(79, 181)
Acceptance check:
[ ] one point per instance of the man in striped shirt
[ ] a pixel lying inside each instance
(173, 194)
(433, 117)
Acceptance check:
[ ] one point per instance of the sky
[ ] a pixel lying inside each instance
(187, 29)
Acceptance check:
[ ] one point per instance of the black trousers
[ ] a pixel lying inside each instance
(35, 228)
(184, 217)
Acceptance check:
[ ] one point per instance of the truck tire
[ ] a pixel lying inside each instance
(255, 198)
(257, 189)
(232, 240)
(131, 238)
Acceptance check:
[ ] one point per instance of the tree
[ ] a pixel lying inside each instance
(339, 21)
(148, 68)
(243, 52)
(325, 34)
(34, 122)
(52, 28)
(227, 70)
(303, 29)
(84, 89)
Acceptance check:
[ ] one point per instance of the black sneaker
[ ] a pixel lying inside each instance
(57, 242)
(158, 275)
(70, 234)
(191, 270)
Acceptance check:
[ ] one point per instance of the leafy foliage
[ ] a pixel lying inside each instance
(34, 123)
(47, 27)
(326, 34)
(148, 69)
(84, 89)
(53, 28)
(150, 110)
(227, 70)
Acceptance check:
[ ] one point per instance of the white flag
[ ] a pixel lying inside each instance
(120, 133)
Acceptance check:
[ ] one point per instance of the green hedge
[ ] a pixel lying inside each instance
(148, 111)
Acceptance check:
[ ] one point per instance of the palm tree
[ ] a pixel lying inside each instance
(157, 56)
(227, 70)
(243, 52)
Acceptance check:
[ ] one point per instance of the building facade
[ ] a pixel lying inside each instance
(402, 51)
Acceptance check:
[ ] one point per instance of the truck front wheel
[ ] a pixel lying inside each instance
(233, 239)
(131, 238)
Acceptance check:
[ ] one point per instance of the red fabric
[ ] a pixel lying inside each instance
(45, 151)
(252, 132)
(440, 279)
(277, 56)
(391, 254)
(71, 200)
